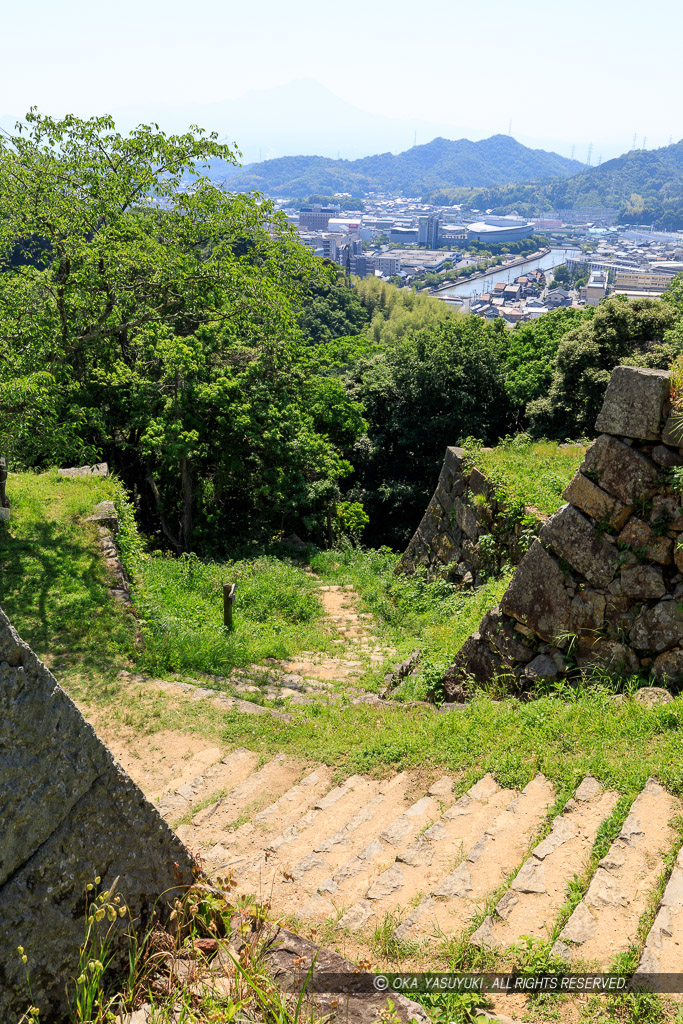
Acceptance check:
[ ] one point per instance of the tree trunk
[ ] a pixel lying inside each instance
(162, 519)
(186, 480)
(330, 535)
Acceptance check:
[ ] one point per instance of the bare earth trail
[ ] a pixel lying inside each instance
(338, 860)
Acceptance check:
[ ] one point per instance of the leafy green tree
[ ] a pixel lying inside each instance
(619, 332)
(433, 388)
(156, 317)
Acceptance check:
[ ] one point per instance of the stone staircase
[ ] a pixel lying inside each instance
(311, 677)
(356, 854)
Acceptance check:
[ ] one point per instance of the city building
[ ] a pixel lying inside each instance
(495, 233)
(403, 236)
(596, 289)
(316, 217)
(428, 231)
(626, 281)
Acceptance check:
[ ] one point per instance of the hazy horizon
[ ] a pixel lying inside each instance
(282, 81)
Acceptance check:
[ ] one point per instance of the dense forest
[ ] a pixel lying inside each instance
(241, 388)
(441, 163)
(643, 186)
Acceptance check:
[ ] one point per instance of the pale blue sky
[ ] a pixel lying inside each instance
(572, 72)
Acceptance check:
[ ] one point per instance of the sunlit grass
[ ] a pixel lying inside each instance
(535, 473)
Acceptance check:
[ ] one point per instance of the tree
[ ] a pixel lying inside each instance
(431, 389)
(162, 314)
(619, 331)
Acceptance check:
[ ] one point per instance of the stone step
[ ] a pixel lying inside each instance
(663, 951)
(331, 839)
(539, 890)
(605, 922)
(249, 796)
(421, 862)
(196, 691)
(331, 814)
(167, 774)
(242, 844)
(374, 865)
(219, 776)
(457, 896)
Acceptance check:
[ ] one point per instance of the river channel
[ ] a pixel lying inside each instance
(470, 289)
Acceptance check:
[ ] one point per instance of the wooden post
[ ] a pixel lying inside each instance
(228, 601)
(4, 501)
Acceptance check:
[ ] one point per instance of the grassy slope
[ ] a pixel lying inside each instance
(535, 473)
(53, 583)
(54, 589)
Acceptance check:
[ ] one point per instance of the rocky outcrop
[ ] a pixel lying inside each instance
(97, 469)
(468, 531)
(69, 814)
(601, 587)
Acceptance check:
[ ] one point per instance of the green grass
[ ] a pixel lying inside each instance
(277, 613)
(53, 582)
(410, 612)
(54, 588)
(533, 472)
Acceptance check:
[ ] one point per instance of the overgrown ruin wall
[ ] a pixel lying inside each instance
(68, 813)
(602, 585)
(468, 532)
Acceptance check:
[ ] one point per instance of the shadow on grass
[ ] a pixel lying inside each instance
(55, 592)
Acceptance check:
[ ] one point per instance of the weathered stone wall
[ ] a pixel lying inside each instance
(467, 532)
(68, 813)
(602, 584)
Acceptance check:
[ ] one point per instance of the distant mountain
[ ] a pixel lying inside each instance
(440, 163)
(644, 186)
(301, 116)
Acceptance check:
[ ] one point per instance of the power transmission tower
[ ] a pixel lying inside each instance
(590, 150)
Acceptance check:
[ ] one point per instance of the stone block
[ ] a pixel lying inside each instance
(478, 483)
(652, 696)
(642, 582)
(634, 403)
(666, 457)
(587, 611)
(466, 519)
(537, 596)
(499, 633)
(639, 536)
(590, 498)
(672, 431)
(454, 460)
(105, 515)
(666, 509)
(98, 469)
(608, 655)
(69, 813)
(575, 538)
(619, 470)
(475, 660)
(668, 667)
(542, 667)
(658, 628)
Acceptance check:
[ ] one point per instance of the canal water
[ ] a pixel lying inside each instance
(470, 289)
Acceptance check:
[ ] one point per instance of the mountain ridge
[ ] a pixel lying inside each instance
(444, 163)
(643, 186)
